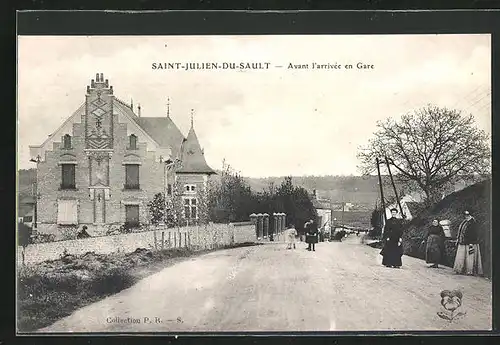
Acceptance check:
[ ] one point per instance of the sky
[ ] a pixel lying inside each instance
(269, 122)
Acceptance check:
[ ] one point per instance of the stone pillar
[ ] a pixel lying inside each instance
(253, 219)
(280, 222)
(275, 229)
(283, 218)
(266, 225)
(260, 226)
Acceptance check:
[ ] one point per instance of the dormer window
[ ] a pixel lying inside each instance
(67, 141)
(132, 144)
(190, 188)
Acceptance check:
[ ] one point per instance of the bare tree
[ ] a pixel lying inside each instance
(429, 149)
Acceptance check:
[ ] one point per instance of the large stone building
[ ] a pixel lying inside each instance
(105, 163)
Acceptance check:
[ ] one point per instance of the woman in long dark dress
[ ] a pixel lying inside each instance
(434, 250)
(311, 235)
(393, 249)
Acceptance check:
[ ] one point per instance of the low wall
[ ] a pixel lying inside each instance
(209, 236)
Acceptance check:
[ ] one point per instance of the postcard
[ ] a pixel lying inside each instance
(254, 183)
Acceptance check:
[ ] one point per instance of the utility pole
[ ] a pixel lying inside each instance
(394, 187)
(35, 202)
(381, 191)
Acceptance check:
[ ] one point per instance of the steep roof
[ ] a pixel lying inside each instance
(163, 130)
(192, 156)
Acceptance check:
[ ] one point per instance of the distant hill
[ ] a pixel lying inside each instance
(354, 189)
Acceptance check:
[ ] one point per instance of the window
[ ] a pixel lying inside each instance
(132, 142)
(68, 176)
(67, 141)
(131, 215)
(190, 188)
(190, 208)
(132, 176)
(67, 212)
(169, 189)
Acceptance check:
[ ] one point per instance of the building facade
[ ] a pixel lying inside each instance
(105, 163)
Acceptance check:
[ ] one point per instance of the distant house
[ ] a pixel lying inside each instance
(411, 204)
(323, 208)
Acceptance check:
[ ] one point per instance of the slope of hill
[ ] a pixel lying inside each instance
(477, 200)
(354, 189)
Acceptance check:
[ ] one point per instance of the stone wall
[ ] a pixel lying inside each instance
(194, 237)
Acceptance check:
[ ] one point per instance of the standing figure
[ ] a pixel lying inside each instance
(393, 249)
(468, 257)
(290, 235)
(434, 250)
(311, 235)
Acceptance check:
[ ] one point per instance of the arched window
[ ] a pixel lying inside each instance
(67, 141)
(132, 142)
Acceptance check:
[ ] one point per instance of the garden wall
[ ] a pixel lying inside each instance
(209, 236)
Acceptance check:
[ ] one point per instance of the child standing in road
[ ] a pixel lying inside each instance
(290, 235)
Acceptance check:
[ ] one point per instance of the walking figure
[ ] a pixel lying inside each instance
(311, 235)
(434, 249)
(290, 234)
(468, 257)
(393, 249)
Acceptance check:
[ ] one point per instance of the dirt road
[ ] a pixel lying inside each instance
(339, 287)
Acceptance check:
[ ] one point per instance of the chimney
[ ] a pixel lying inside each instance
(139, 109)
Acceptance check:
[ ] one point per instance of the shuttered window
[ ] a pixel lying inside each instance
(68, 176)
(132, 176)
(67, 212)
(132, 215)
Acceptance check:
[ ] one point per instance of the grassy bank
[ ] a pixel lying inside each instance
(54, 289)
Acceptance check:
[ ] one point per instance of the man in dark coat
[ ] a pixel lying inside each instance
(312, 235)
(393, 249)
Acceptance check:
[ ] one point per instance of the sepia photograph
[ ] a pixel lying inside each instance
(253, 183)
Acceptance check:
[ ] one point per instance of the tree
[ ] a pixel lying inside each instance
(295, 202)
(429, 149)
(230, 199)
(157, 208)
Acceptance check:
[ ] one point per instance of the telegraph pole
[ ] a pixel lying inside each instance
(381, 191)
(35, 201)
(394, 187)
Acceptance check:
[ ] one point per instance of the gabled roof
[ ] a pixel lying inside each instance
(163, 130)
(192, 156)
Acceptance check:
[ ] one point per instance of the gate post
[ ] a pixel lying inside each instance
(253, 219)
(260, 226)
(266, 225)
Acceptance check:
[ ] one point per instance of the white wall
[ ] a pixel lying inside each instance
(197, 237)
